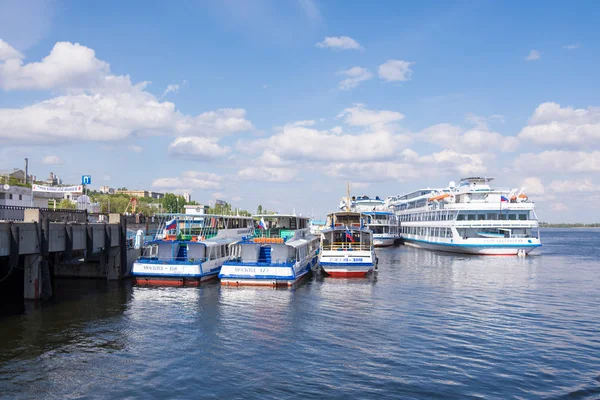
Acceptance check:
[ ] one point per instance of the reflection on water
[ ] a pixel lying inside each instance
(426, 325)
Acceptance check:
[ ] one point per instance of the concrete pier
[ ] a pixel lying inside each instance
(40, 250)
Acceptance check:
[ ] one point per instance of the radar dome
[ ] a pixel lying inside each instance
(452, 185)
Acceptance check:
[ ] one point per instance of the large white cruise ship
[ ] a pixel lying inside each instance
(469, 218)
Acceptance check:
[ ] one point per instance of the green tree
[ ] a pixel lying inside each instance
(66, 205)
(259, 210)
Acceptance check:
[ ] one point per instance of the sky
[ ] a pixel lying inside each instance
(281, 103)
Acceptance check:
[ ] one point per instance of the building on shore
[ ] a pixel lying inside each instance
(142, 193)
(187, 197)
(197, 209)
(107, 190)
(15, 174)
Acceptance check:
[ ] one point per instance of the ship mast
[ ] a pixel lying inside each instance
(348, 197)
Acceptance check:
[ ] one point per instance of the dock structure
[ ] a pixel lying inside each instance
(37, 250)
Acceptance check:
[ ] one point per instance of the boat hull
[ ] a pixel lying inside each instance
(383, 241)
(348, 265)
(246, 274)
(477, 249)
(151, 272)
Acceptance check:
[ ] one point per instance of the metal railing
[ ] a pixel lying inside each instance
(17, 213)
(346, 246)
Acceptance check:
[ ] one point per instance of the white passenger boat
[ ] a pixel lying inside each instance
(471, 218)
(189, 249)
(281, 251)
(379, 219)
(347, 246)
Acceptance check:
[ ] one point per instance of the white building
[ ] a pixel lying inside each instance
(20, 196)
(187, 197)
(195, 210)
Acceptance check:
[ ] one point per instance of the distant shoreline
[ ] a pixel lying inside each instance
(548, 225)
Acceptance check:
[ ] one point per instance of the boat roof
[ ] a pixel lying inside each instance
(193, 216)
(351, 228)
(279, 216)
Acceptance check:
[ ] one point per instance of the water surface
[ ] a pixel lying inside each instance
(427, 325)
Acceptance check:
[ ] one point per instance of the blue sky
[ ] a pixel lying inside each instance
(281, 103)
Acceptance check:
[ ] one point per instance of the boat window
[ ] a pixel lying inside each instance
(523, 216)
(480, 217)
(471, 217)
(512, 216)
(492, 216)
(461, 217)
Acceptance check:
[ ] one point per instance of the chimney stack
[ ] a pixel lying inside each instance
(26, 170)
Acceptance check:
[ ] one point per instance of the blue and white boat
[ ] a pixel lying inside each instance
(379, 218)
(347, 248)
(189, 248)
(281, 251)
(471, 217)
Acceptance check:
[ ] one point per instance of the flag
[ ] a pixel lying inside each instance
(171, 225)
(503, 199)
(261, 223)
(349, 235)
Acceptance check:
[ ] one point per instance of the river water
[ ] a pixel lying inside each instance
(427, 325)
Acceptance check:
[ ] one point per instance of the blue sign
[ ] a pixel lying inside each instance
(86, 179)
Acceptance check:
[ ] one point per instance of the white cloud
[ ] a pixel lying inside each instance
(52, 160)
(552, 124)
(97, 105)
(198, 148)
(7, 52)
(560, 161)
(396, 71)
(361, 116)
(268, 174)
(68, 66)
(571, 46)
(355, 76)
(311, 144)
(339, 43)
(533, 186)
(135, 148)
(559, 206)
(472, 140)
(191, 180)
(219, 195)
(571, 186)
(171, 88)
(533, 55)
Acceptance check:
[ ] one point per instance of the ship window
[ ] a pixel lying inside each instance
(480, 217)
(460, 217)
(471, 217)
(502, 216)
(512, 216)
(523, 217)
(10, 196)
(492, 216)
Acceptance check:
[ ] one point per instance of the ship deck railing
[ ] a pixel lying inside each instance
(346, 246)
(171, 260)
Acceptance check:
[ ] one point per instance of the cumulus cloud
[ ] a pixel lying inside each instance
(339, 43)
(533, 185)
(552, 124)
(197, 148)
(189, 180)
(96, 105)
(561, 161)
(533, 55)
(355, 76)
(570, 186)
(7, 52)
(471, 140)
(359, 115)
(52, 160)
(396, 71)
(68, 66)
(268, 174)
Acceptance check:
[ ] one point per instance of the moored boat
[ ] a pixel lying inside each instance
(189, 249)
(347, 246)
(471, 217)
(379, 218)
(281, 251)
